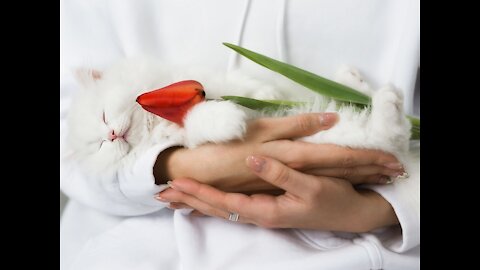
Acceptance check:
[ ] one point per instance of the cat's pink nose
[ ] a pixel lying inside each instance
(112, 136)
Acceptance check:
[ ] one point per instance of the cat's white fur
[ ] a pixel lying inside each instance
(113, 93)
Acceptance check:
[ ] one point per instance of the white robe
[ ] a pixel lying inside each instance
(379, 37)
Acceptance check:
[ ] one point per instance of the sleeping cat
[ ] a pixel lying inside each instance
(108, 129)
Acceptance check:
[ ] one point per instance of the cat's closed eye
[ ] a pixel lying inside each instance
(103, 118)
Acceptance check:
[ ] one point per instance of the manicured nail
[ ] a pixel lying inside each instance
(174, 185)
(384, 180)
(256, 163)
(328, 119)
(395, 174)
(160, 198)
(394, 166)
(404, 175)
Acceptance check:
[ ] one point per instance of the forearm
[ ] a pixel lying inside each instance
(226, 171)
(404, 197)
(164, 168)
(375, 212)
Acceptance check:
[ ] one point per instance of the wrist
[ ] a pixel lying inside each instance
(376, 212)
(166, 166)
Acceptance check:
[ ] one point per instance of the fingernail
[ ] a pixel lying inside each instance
(394, 165)
(328, 119)
(160, 198)
(395, 174)
(403, 175)
(385, 180)
(174, 185)
(256, 163)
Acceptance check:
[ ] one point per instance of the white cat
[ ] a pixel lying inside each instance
(108, 129)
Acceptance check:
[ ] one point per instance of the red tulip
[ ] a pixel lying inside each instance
(173, 102)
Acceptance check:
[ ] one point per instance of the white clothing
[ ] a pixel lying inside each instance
(379, 37)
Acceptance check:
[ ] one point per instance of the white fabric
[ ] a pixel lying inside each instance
(379, 37)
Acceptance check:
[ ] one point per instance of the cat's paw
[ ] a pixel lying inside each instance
(164, 130)
(388, 102)
(214, 121)
(351, 77)
(266, 93)
(243, 85)
(388, 123)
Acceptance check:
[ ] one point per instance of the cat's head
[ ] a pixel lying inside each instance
(105, 124)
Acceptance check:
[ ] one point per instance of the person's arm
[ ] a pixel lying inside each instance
(309, 202)
(222, 165)
(348, 210)
(404, 197)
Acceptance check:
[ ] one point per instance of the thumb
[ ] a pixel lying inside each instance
(280, 175)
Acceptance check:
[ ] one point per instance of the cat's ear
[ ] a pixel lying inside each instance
(87, 77)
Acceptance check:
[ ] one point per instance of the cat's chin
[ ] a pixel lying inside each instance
(104, 167)
(108, 158)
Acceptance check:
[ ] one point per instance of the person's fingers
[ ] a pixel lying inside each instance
(279, 175)
(197, 213)
(210, 195)
(269, 129)
(367, 174)
(274, 192)
(370, 179)
(377, 179)
(177, 197)
(303, 155)
(252, 209)
(240, 219)
(177, 205)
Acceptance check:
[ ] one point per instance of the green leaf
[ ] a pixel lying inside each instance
(414, 120)
(312, 81)
(286, 102)
(415, 127)
(256, 104)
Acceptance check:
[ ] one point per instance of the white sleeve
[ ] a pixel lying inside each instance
(404, 196)
(130, 192)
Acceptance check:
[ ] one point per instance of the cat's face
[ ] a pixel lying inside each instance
(105, 122)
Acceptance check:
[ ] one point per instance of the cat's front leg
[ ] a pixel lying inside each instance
(350, 76)
(214, 121)
(388, 124)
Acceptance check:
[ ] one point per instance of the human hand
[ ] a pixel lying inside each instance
(222, 166)
(358, 166)
(311, 202)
